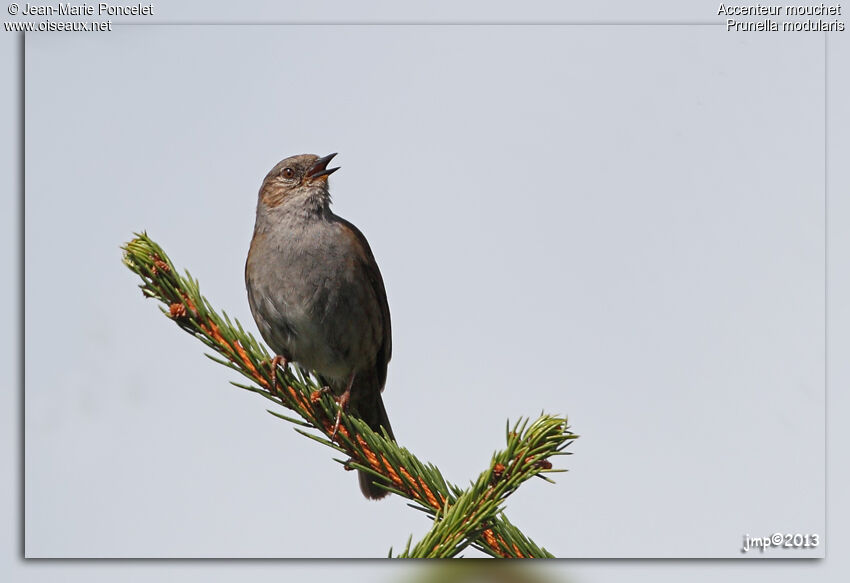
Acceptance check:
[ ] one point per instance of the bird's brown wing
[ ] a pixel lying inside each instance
(367, 401)
(373, 275)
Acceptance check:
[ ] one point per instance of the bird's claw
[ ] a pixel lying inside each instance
(277, 360)
(342, 401)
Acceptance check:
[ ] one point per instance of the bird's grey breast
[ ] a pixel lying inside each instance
(302, 292)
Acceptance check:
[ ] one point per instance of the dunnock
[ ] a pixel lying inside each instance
(316, 292)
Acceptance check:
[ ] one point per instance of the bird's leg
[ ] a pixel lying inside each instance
(343, 404)
(278, 359)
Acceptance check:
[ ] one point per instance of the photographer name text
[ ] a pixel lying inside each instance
(99, 9)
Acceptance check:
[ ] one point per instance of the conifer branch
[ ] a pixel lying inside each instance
(466, 518)
(461, 517)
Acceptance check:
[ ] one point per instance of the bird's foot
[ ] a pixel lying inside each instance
(342, 401)
(277, 360)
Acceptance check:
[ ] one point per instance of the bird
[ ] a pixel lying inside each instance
(317, 295)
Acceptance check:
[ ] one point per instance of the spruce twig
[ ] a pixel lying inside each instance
(461, 517)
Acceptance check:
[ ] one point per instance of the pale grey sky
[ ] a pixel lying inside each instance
(624, 224)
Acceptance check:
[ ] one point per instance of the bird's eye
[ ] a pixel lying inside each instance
(288, 173)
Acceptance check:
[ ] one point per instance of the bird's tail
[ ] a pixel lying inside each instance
(370, 408)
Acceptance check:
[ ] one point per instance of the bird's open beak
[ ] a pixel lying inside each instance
(320, 169)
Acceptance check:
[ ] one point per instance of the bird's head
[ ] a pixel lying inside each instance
(299, 181)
